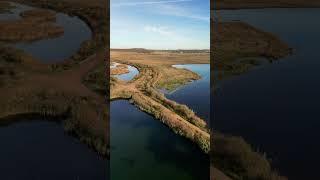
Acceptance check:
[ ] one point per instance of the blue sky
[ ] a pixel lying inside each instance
(160, 24)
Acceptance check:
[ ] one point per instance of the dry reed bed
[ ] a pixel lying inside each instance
(142, 92)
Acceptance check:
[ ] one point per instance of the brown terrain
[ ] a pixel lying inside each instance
(119, 69)
(34, 25)
(74, 91)
(156, 72)
(237, 45)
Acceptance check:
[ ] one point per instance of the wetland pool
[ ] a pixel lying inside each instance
(275, 107)
(55, 49)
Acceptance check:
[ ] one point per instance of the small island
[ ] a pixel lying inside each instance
(119, 69)
(239, 47)
(34, 25)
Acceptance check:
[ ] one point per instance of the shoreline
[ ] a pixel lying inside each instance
(97, 27)
(141, 92)
(232, 153)
(60, 86)
(37, 24)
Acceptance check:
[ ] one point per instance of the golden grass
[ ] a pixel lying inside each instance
(143, 90)
(119, 69)
(233, 41)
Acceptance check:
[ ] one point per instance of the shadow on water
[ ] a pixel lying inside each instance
(144, 148)
(276, 108)
(40, 149)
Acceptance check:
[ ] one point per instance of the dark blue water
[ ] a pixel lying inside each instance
(196, 94)
(41, 150)
(143, 148)
(56, 49)
(276, 107)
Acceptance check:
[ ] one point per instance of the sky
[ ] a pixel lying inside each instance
(160, 24)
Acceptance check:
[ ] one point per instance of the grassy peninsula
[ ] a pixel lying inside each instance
(156, 72)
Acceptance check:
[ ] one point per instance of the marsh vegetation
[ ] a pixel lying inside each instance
(143, 91)
(34, 24)
(238, 40)
(238, 160)
(74, 88)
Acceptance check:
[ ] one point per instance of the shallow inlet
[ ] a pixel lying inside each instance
(57, 49)
(133, 71)
(143, 148)
(275, 108)
(39, 149)
(195, 94)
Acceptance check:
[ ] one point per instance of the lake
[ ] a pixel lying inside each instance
(196, 94)
(39, 149)
(275, 107)
(56, 49)
(144, 148)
